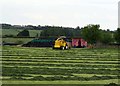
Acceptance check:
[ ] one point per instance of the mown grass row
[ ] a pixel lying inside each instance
(53, 78)
(49, 65)
(63, 61)
(47, 71)
(61, 65)
(115, 58)
(49, 52)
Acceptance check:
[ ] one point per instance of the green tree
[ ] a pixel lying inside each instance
(91, 33)
(77, 27)
(55, 32)
(24, 33)
(77, 32)
(117, 35)
(106, 37)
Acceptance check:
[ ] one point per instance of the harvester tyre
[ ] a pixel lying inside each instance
(62, 48)
(66, 47)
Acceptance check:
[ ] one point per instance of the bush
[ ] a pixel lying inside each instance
(24, 33)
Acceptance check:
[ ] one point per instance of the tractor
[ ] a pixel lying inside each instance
(62, 43)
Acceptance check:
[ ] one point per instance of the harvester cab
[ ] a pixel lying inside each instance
(62, 43)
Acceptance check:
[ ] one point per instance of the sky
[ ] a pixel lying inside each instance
(66, 13)
(119, 14)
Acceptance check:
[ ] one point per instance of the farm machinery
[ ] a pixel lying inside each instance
(62, 43)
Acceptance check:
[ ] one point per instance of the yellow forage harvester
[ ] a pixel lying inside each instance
(62, 43)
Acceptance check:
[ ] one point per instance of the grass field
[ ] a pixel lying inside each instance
(23, 65)
(17, 40)
(14, 32)
(10, 31)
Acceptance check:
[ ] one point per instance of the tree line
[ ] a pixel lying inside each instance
(30, 27)
(91, 33)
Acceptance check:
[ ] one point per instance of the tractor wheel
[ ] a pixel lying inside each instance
(63, 48)
(66, 47)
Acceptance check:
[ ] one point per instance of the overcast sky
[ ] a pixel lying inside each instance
(68, 13)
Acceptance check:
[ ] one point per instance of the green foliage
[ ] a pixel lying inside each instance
(91, 33)
(56, 32)
(106, 37)
(117, 35)
(24, 33)
(7, 26)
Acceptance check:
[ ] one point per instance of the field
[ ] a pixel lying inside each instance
(14, 32)
(21, 65)
(17, 40)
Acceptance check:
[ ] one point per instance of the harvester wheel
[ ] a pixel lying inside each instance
(66, 47)
(63, 48)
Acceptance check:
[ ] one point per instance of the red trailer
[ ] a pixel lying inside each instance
(79, 42)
